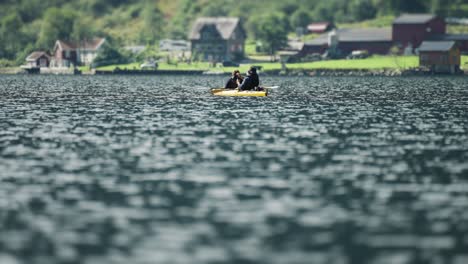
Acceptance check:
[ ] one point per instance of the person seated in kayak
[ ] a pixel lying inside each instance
(235, 80)
(251, 81)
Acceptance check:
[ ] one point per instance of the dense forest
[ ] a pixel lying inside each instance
(26, 25)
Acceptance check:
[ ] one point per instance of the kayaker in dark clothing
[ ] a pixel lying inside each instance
(251, 81)
(235, 80)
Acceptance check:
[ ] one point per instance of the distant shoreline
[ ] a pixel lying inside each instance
(372, 66)
(293, 72)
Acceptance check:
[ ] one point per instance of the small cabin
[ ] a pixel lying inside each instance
(440, 56)
(38, 59)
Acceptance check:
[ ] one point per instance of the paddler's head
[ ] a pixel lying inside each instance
(252, 70)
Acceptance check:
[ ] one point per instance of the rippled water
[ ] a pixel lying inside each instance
(109, 169)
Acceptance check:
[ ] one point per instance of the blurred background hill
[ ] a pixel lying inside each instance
(26, 25)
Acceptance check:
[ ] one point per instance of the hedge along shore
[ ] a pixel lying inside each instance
(10, 70)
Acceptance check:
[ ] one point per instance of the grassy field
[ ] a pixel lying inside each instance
(464, 62)
(457, 29)
(373, 63)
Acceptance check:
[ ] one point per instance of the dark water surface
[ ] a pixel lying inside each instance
(155, 170)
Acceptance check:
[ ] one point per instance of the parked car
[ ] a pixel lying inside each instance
(230, 64)
(149, 65)
(358, 54)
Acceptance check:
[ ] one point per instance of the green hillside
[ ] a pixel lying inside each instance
(26, 25)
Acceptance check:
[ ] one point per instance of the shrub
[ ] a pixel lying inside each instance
(7, 63)
(110, 55)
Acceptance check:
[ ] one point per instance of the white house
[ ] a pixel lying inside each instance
(68, 54)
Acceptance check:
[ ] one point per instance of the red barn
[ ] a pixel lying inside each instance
(413, 29)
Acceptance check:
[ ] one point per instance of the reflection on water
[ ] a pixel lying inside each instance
(156, 170)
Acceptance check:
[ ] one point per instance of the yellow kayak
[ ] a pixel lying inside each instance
(236, 92)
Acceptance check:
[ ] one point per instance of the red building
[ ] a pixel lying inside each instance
(321, 27)
(410, 30)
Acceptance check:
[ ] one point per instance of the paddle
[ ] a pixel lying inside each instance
(271, 87)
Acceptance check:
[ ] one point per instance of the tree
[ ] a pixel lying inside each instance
(216, 8)
(11, 35)
(95, 7)
(300, 18)
(82, 30)
(109, 55)
(362, 10)
(402, 6)
(272, 31)
(22, 54)
(289, 8)
(153, 20)
(443, 7)
(57, 24)
(324, 12)
(183, 18)
(30, 10)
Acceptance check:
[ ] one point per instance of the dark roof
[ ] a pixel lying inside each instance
(437, 45)
(36, 55)
(225, 26)
(450, 37)
(356, 35)
(414, 19)
(92, 44)
(365, 35)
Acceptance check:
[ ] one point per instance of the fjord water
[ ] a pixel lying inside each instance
(154, 169)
